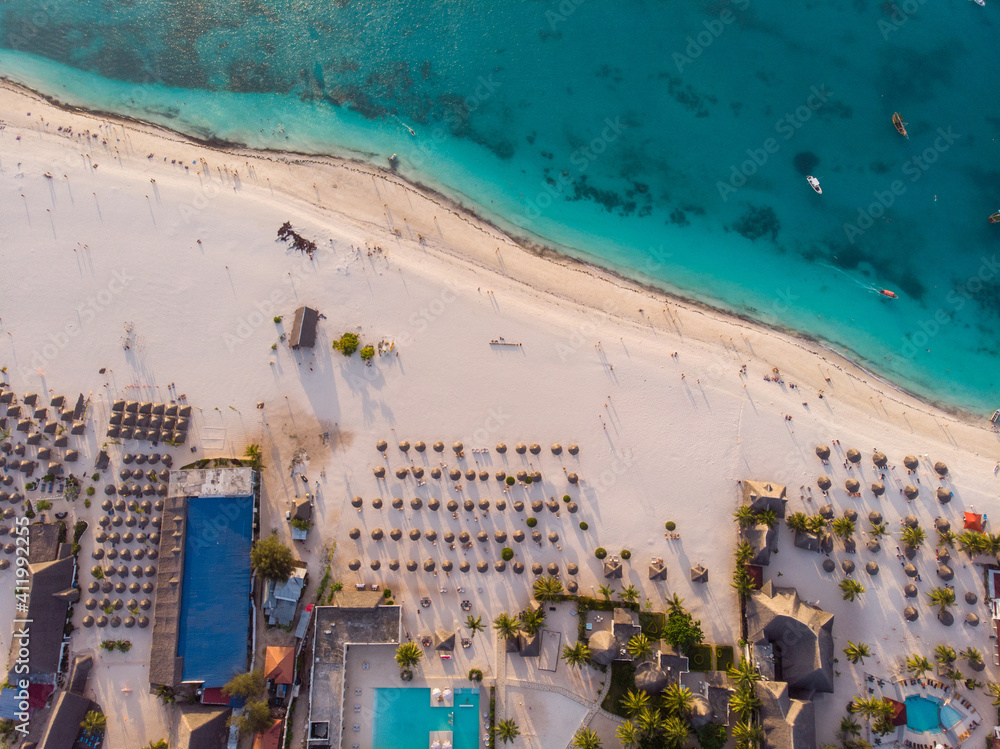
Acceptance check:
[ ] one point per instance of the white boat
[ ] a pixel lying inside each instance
(980, 2)
(814, 184)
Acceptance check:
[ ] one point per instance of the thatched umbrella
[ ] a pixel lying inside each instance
(854, 456)
(972, 620)
(127, 458)
(484, 504)
(875, 517)
(482, 537)
(910, 590)
(416, 503)
(499, 565)
(852, 485)
(518, 567)
(377, 534)
(415, 534)
(941, 468)
(911, 521)
(878, 488)
(572, 587)
(449, 537)
(872, 568)
(536, 536)
(943, 556)
(826, 511)
(553, 569)
(431, 535)
(433, 503)
(379, 472)
(464, 537)
(484, 475)
(535, 448)
(501, 505)
(468, 505)
(354, 533)
(357, 502)
(454, 474)
(125, 474)
(945, 572)
(501, 447)
(553, 536)
(943, 495)
(88, 621)
(402, 473)
(470, 474)
(395, 534)
(910, 570)
(126, 555)
(447, 565)
(873, 545)
(910, 491)
(829, 565)
(452, 505)
(377, 503)
(152, 554)
(537, 506)
(537, 569)
(420, 446)
(112, 553)
(139, 553)
(518, 536)
(823, 452)
(375, 564)
(851, 514)
(90, 604)
(850, 545)
(910, 462)
(650, 678)
(411, 566)
(404, 446)
(574, 449)
(824, 482)
(397, 503)
(435, 473)
(847, 566)
(393, 564)
(518, 506)
(880, 460)
(946, 618)
(438, 446)
(910, 614)
(500, 536)
(354, 564)
(148, 587)
(102, 621)
(971, 597)
(552, 505)
(482, 566)
(572, 569)
(572, 478)
(520, 448)
(464, 565)
(418, 472)
(458, 447)
(501, 475)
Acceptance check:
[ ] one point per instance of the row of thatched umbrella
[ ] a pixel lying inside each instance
(452, 506)
(123, 571)
(116, 621)
(125, 554)
(129, 521)
(106, 586)
(459, 448)
(117, 604)
(853, 486)
(132, 505)
(125, 474)
(464, 537)
(135, 490)
(879, 459)
(152, 459)
(429, 565)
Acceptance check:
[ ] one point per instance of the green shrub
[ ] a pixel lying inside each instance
(277, 319)
(368, 353)
(567, 498)
(583, 525)
(626, 554)
(91, 491)
(475, 675)
(510, 481)
(98, 573)
(86, 503)
(387, 593)
(507, 554)
(96, 477)
(600, 552)
(532, 522)
(347, 344)
(527, 479)
(42, 505)
(671, 525)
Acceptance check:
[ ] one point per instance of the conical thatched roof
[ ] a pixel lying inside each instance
(878, 488)
(650, 678)
(910, 614)
(941, 468)
(603, 647)
(699, 574)
(824, 483)
(854, 456)
(910, 462)
(444, 641)
(823, 452)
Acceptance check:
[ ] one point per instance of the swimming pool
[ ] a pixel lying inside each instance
(404, 717)
(926, 714)
(949, 716)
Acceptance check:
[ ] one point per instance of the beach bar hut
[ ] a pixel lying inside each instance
(304, 328)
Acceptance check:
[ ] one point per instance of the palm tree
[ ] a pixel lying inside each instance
(973, 655)
(992, 544)
(408, 655)
(879, 529)
(743, 581)
(474, 624)
(849, 726)
(634, 701)
(640, 647)
(675, 731)
(532, 620)
(942, 598)
(872, 708)
(628, 734)
(93, 722)
(917, 665)
(748, 735)
(607, 591)
(745, 516)
(851, 589)
(945, 654)
(253, 453)
(856, 652)
(584, 738)
(843, 527)
(650, 721)
(576, 655)
(675, 605)
(547, 588)
(507, 626)
(798, 522)
(744, 702)
(677, 700)
(630, 594)
(768, 518)
(912, 536)
(994, 691)
(744, 553)
(947, 538)
(744, 674)
(507, 730)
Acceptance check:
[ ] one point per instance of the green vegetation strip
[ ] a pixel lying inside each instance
(700, 658)
(622, 680)
(723, 657)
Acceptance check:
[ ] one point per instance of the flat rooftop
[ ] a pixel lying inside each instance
(211, 482)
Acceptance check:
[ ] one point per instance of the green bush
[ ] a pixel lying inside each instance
(626, 554)
(671, 525)
(387, 593)
(527, 479)
(96, 477)
(42, 505)
(723, 657)
(583, 525)
(277, 319)
(368, 353)
(711, 736)
(567, 498)
(347, 344)
(532, 522)
(91, 491)
(510, 481)
(86, 503)
(700, 658)
(475, 675)
(507, 554)
(600, 552)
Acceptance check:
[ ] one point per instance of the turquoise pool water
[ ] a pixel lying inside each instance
(922, 714)
(404, 717)
(949, 716)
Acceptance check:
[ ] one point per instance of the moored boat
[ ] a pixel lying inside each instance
(897, 120)
(814, 184)
(995, 218)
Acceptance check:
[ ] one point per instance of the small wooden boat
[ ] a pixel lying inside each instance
(887, 293)
(995, 218)
(814, 184)
(897, 120)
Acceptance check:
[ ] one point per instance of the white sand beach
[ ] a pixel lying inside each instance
(118, 232)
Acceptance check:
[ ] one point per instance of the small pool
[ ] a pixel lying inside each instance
(403, 718)
(929, 715)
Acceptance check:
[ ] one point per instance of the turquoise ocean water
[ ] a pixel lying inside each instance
(666, 140)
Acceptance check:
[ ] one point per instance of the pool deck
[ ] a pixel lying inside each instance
(950, 738)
